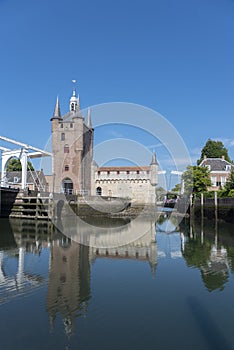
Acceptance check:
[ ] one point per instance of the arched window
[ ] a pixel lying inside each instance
(99, 191)
(66, 149)
(62, 136)
(66, 168)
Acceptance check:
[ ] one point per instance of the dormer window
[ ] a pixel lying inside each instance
(228, 167)
(208, 166)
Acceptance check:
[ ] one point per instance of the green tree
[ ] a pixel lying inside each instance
(214, 149)
(177, 188)
(196, 179)
(14, 164)
(229, 186)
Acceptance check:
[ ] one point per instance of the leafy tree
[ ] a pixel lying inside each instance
(196, 179)
(15, 165)
(214, 149)
(160, 193)
(228, 190)
(177, 188)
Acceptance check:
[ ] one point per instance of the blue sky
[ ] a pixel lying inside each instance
(173, 56)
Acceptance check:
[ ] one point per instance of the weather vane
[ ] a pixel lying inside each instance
(74, 89)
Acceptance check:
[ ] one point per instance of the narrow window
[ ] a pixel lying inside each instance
(61, 125)
(62, 136)
(66, 167)
(99, 191)
(71, 125)
(66, 149)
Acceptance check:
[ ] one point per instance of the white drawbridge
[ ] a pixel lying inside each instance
(22, 153)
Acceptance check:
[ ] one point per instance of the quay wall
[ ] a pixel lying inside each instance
(224, 210)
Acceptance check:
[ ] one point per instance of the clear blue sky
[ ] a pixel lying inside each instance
(174, 56)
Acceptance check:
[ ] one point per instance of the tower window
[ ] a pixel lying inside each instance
(99, 191)
(66, 168)
(71, 125)
(61, 125)
(66, 149)
(62, 136)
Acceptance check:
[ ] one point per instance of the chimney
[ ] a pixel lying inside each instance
(223, 157)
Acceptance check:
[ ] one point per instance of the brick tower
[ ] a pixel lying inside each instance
(72, 149)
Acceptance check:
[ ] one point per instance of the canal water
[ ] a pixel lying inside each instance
(170, 288)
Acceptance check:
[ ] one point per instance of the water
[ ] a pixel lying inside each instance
(166, 290)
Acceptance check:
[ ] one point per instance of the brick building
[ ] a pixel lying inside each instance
(220, 170)
(75, 171)
(72, 149)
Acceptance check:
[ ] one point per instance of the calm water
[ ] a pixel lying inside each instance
(165, 290)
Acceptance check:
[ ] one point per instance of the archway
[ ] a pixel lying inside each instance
(99, 191)
(67, 185)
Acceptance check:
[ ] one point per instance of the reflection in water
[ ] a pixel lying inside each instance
(16, 278)
(69, 282)
(69, 261)
(205, 250)
(67, 271)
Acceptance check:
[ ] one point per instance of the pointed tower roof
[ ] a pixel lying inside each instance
(154, 160)
(89, 121)
(57, 113)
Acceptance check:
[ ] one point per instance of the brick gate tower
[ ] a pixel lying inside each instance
(72, 149)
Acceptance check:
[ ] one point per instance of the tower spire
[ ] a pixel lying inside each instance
(74, 100)
(154, 160)
(57, 113)
(89, 121)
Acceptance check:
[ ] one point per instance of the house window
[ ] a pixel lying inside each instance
(66, 149)
(213, 180)
(66, 167)
(62, 136)
(223, 180)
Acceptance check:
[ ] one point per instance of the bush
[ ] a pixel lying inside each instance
(231, 193)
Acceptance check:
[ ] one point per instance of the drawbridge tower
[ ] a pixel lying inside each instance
(72, 149)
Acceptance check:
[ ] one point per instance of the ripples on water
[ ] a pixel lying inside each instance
(165, 289)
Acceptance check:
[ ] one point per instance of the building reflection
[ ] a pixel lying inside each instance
(70, 264)
(18, 241)
(206, 249)
(69, 282)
